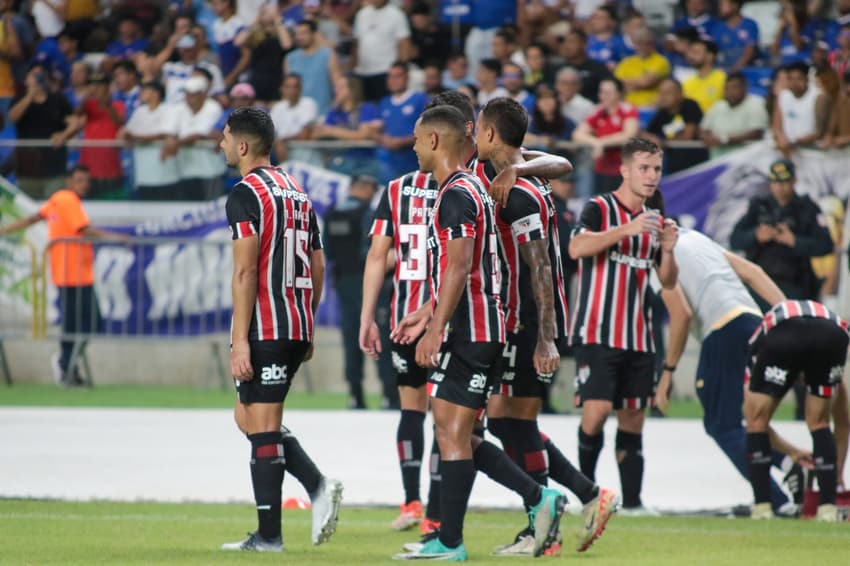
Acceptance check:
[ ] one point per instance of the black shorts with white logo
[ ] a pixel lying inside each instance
(404, 362)
(465, 372)
(624, 377)
(275, 363)
(815, 348)
(516, 376)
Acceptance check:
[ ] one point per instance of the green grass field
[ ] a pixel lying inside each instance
(176, 397)
(48, 532)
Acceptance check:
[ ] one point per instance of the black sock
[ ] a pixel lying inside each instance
(478, 430)
(504, 471)
(410, 440)
(458, 476)
(759, 456)
(267, 468)
(528, 449)
(825, 458)
(496, 426)
(589, 448)
(299, 464)
(562, 471)
(629, 448)
(432, 511)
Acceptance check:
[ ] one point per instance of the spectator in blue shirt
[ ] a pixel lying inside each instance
(78, 83)
(232, 59)
(843, 19)
(315, 63)
(291, 12)
(125, 78)
(487, 17)
(60, 52)
(737, 37)
(456, 74)
(399, 112)
(604, 44)
(351, 120)
(791, 43)
(129, 42)
(697, 16)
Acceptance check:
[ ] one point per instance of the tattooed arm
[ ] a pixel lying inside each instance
(535, 255)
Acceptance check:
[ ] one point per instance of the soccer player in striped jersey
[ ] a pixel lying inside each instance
(618, 242)
(278, 272)
(400, 223)
(536, 318)
(465, 335)
(795, 338)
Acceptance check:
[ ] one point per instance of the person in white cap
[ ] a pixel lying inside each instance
(174, 74)
(201, 166)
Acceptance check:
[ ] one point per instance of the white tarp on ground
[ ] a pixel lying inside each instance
(197, 455)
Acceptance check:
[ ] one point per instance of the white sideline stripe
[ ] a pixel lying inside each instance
(181, 455)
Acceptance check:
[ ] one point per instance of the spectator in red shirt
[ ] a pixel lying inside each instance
(608, 127)
(103, 119)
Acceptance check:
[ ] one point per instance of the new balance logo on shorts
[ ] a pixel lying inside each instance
(399, 363)
(477, 383)
(273, 375)
(773, 374)
(583, 374)
(836, 373)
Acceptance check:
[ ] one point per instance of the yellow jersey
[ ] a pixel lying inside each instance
(705, 90)
(636, 67)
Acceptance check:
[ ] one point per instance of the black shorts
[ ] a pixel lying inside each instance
(407, 372)
(516, 376)
(815, 348)
(624, 377)
(275, 363)
(465, 372)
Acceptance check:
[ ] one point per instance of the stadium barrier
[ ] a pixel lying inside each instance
(18, 296)
(146, 289)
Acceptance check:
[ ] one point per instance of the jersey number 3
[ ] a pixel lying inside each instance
(414, 266)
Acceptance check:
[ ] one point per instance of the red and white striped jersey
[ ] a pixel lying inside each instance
(794, 309)
(463, 209)
(402, 214)
(613, 307)
(529, 216)
(270, 204)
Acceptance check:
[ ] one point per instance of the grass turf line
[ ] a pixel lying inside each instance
(69, 533)
(179, 397)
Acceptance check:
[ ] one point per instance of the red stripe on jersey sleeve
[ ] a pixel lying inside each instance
(380, 227)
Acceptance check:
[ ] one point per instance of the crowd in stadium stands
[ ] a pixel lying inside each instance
(164, 75)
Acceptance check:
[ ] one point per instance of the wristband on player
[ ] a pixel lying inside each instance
(671, 369)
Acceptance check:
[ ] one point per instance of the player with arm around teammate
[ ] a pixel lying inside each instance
(278, 273)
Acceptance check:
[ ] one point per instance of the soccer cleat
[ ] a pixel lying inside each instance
(762, 511)
(795, 479)
(416, 546)
(410, 516)
(545, 518)
(596, 514)
(523, 545)
(435, 550)
(638, 511)
(827, 513)
(325, 504)
(255, 543)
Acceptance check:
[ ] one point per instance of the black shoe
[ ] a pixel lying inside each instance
(656, 413)
(255, 543)
(356, 403)
(795, 479)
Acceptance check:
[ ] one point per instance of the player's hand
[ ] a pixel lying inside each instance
(546, 358)
(428, 350)
(662, 391)
(370, 339)
(765, 233)
(669, 235)
(308, 355)
(240, 361)
(647, 222)
(804, 458)
(784, 235)
(502, 184)
(411, 327)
